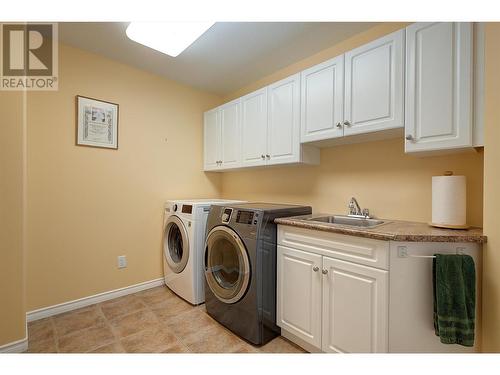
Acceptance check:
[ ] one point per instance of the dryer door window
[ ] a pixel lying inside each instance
(227, 268)
(175, 244)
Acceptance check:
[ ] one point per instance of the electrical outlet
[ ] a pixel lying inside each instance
(122, 261)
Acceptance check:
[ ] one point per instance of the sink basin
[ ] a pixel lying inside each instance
(348, 221)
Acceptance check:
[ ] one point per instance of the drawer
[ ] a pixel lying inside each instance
(360, 250)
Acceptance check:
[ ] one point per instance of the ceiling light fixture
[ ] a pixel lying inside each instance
(170, 38)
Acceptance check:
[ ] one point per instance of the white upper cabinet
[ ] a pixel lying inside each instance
(254, 128)
(356, 93)
(261, 128)
(420, 79)
(212, 139)
(283, 138)
(438, 86)
(230, 134)
(374, 86)
(322, 100)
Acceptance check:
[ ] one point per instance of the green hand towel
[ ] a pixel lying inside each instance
(454, 281)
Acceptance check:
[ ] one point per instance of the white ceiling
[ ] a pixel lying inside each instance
(227, 57)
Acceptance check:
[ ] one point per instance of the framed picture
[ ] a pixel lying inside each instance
(96, 123)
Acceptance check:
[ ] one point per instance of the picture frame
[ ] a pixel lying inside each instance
(96, 123)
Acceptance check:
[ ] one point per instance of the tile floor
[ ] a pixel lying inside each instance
(152, 321)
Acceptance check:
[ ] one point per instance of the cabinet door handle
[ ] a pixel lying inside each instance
(339, 125)
(315, 269)
(409, 137)
(347, 123)
(324, 272)
(262, 156)
(268, 156)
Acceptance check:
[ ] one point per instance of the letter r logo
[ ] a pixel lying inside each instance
(27, 49)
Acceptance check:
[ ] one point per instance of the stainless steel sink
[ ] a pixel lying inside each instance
(348, 221)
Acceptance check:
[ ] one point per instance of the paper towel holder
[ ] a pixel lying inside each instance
(448, 226)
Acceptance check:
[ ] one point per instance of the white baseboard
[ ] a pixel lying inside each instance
(90, 300)
(18, 346)
(300, 342)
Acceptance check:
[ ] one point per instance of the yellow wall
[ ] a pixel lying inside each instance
(328, 53)
(491, 252)
(384, 179)
(12, 143)
(86, 205)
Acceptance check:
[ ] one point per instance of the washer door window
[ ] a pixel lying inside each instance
(227, 268)
(175, 244)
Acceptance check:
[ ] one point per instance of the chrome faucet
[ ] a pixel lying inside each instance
(355, 210)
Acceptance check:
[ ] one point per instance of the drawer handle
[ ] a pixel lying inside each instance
(315, 269)
(324, 272)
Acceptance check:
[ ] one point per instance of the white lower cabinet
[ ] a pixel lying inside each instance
(355, 308)
(330, 304)
(299, 294)
(334, 293)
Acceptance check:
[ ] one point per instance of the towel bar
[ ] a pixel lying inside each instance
(403, 253)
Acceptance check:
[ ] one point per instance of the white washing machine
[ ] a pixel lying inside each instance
(183, 246)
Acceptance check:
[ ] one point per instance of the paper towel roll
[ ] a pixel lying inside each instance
(449, 201)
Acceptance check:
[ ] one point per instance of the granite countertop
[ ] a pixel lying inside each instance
(393, 230)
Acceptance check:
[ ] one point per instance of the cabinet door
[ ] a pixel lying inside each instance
(212, 139)
(299, 294)
(254, 128)
(284, 121)
(374, 85)
(355, 308)
(438, 86)
(322, 100)
(231, 135)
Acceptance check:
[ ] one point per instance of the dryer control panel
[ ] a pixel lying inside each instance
(226, 215)
(244, 217)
